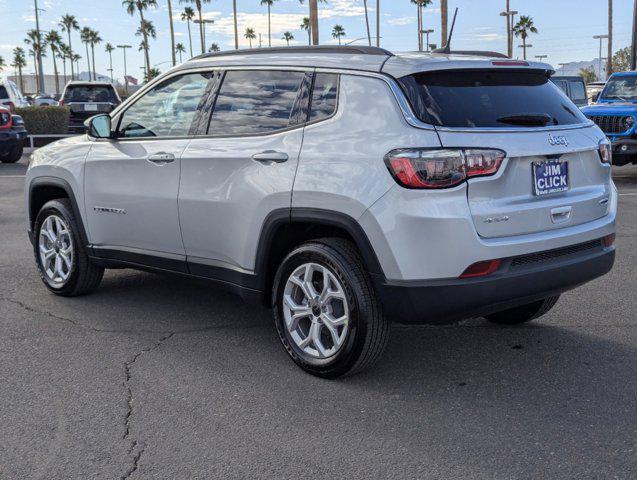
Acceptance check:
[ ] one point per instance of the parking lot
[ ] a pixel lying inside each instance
(162, 377)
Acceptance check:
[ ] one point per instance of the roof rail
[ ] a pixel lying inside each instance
(345, 49)
(475, 53)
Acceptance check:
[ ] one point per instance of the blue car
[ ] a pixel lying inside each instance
(615, 112)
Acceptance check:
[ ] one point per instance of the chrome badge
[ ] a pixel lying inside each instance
(119, 211)
(558, 140)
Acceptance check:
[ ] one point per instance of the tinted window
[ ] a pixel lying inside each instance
(489, 98)
(90, 93)
(255, 102)
(3, 92)
(578, 91)
(168, 110)
(324, 96)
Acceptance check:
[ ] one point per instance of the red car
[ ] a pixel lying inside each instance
(12, 135)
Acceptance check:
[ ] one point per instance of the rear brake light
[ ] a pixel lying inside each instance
(481, 269)
(605, 152)
(510, 63)
(441, 168)
(608, 240)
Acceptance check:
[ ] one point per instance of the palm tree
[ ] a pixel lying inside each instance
(85, 37)
(95, 39)
(214, 48)
(609, 61)
(68, 24)
(314, 24)
(198, 6)
(2, 64)
(287, 36)
(76, 57)
(420, 5)
(19, 62)
(306, 26)
(369, 35)
(180, 49)
(337, 32)
(145, 30)
(250, 35)
(110, 49)
(444, 20)
(172, 33)
(269, 3)
(236, 28)
(63, 54)
(151, 73)
(523, 28)
(54, 40)
(34, 39)
(140, 6)
(187, 16)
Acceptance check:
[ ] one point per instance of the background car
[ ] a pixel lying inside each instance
(593, 90)
(574, 87)
(86, 99)
(11, 96)
(12, 135)
(45, 101)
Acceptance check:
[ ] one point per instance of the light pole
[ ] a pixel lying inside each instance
(124, 47)
(601, 39)
(524, 47)
(510, 16)
(562, 65)
(356, 40)
(427, 32)
(37, 27)
(204, 22)
(541, 57)
(633, 49)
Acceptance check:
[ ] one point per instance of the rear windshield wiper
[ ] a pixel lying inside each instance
(527, 119)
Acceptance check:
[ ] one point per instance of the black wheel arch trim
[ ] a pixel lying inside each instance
(64, 185)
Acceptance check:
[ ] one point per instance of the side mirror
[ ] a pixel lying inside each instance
(99, 126)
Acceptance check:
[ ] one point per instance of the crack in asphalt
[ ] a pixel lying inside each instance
(129, 403)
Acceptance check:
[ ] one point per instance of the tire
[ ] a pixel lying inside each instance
(524, 313)
(12, 156)
(350, 345)
(82, 276)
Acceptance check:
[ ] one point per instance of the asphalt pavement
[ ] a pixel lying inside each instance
(163, 377)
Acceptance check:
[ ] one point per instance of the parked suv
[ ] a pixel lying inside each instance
(344, 187)
(86, 99)
(615, 112)
(574, 87)
(12, 136)
(11, 96)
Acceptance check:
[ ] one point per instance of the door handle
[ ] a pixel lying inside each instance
(161, 158)
(561, 214)
(271, 156)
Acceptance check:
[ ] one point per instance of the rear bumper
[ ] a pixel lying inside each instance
(519, 281)
(624, 150)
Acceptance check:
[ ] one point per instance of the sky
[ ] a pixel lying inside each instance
(566, 27)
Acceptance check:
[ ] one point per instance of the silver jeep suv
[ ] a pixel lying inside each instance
(343, 187)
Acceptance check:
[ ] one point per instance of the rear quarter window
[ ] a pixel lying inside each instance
(489, 98)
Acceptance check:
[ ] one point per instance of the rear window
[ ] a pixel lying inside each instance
(90, 93)
(489, 98)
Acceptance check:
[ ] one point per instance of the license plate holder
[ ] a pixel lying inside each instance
(550, 176)
(90, 107)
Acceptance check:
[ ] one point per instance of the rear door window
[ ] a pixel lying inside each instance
(578, 90)
(489, 98)
(253, 102)
(324, 96)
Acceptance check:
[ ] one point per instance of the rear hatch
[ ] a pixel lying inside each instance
(552, 176)
(88, 100)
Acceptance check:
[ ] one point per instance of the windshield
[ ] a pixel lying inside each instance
(621, 88)
(90, 93)
(489, 98)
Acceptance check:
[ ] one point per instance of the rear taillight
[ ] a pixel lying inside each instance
(441, 168)
(608, 240)
(481, 269)
(6, 121)
(61, 103)
(605, 152)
